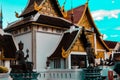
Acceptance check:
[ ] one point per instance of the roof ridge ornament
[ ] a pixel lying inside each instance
(63, 10)
(65, 54)
(37, 7)
(87, 1)
(16, 14)
(1, 17)
(72, 13)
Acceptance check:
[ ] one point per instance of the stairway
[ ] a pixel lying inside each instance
(92, 73)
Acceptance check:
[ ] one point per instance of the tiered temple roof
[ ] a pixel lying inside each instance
(7, 46)
(81, 16)
(29, 10)
(111, 44)
(42, 19)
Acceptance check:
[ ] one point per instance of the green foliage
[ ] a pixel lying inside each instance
(3, 69)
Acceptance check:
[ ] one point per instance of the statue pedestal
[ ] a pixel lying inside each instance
(24, 76)
(92, 73)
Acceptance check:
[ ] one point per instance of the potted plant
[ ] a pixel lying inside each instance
(4, 73)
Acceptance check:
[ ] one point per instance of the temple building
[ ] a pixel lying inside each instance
(7, 46)
(114, 49)
(113, 46)
(54, 36)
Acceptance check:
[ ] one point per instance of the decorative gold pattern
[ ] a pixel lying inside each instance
(36, 7)
(78, 46)
(91, 39)
(47, 9)
(65, 54)
(85, 22)
(100, 55)
(99, 45)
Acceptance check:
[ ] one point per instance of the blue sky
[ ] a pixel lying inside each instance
(106, 14)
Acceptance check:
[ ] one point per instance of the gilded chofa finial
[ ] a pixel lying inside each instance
(16, 14)
(87, 1)
(63, 10)
(36, 7)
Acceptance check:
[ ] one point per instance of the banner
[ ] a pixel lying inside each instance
(110, 75)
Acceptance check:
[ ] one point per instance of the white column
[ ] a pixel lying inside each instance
(69, 62)
(7, 64)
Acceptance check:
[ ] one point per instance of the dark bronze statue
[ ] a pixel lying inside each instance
(22, 70)
(20, 54)
(22, 66)
(90, 54)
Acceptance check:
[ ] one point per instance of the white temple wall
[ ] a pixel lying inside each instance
(45, 45)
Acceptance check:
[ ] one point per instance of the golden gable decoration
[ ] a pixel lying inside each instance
(36, 7)
(64, 12)
(65, 54)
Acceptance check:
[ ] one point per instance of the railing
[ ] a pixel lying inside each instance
(61, 74)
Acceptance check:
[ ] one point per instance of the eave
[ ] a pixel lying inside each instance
(66, 43)
(41, 20)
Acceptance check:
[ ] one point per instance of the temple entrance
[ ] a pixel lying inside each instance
(79, 60)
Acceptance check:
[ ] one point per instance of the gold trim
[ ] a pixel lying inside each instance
(97, 30)
(64, 53)
(8, 59)
(86, 5)
(36, 7)
(93, 22)
(100, 54)
(64, 13)
(105, 44)
(86, 8)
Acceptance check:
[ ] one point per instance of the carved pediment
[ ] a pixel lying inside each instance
(46, 8)
(85, 22)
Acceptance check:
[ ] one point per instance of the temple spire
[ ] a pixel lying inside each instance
(1, 17)
(72, 14)
(87, 1)
(72, 27)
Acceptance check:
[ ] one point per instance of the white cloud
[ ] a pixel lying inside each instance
(105, 36)
(100, 14)
(117, 28)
